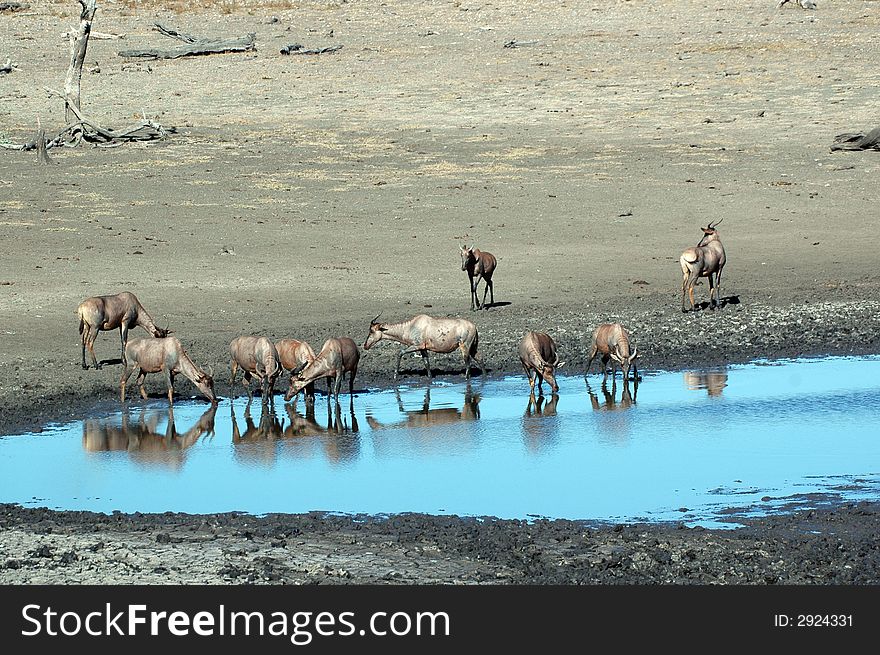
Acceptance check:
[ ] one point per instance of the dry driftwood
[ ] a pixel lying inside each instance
(857, 140)
(298, 49)
(806, 4)
(42, 152)
(193, 46)
(79, 43)
(13, 6)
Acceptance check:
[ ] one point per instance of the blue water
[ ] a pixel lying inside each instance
(679, 447)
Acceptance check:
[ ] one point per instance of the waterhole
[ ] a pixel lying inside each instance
(700, 447)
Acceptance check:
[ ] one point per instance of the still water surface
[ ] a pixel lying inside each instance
(678, 447)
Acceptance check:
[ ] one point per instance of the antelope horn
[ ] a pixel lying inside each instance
(210, 371)
(615, 357)
(635, 353)
(374, 321)
(716, 224)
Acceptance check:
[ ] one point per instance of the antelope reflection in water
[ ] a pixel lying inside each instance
(428, 441)
(613, 413)
(143, 441)
(712, 381)
(261, 442)
(537, 433)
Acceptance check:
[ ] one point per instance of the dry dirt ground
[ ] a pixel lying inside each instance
(302, 195)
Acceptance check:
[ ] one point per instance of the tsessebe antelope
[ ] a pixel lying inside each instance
(706, 259)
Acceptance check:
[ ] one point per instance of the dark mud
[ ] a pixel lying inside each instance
(821, 546)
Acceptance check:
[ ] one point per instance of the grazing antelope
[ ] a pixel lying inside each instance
(152, 355)
(425, 334)
(338, 356)
(259, 359)
(706, 259)
(102, 313)
(479, 265)
(537, 352)
(612, 341)
(295, 356)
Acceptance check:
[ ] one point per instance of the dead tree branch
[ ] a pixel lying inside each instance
(857, 141)
(78, 45)
(297, 49)
(194, 46)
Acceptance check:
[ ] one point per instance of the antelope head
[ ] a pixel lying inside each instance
(467, 254)
(297, 384)
(161, 333)
(625, 361)
(709, 233)
(375, 334)
(205, 384)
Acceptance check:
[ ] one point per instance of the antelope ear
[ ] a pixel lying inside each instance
(382, 328)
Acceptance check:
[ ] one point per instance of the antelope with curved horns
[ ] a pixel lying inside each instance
(479, 266)
(425, 334)
(165, 354)
(706, 259)
(259, 359)
(338, 356)
(102, 313)
(537, 352)
(612, 341)
(295, 355)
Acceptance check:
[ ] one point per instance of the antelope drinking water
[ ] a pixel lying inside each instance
(537, 352)
(166, 355)
(295, 356)
(338, 356)
(102, 313)
(259, 359)
(612, 341)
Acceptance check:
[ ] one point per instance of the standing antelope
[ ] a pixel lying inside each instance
(611, 340)
(706, 259)
(258, 358)
(295, 356)
(424, 333)
(537, 352)
(338, 356)
(102, 313)
(152, 355)
(479, 265)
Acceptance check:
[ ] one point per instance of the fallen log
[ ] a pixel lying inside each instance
(298, 49)
(857, 141)
(199, 47)
(13, 6)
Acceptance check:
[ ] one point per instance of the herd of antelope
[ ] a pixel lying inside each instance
(262, 360)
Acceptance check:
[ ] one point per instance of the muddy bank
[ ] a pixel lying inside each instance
(667, 340)
(821, 546)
